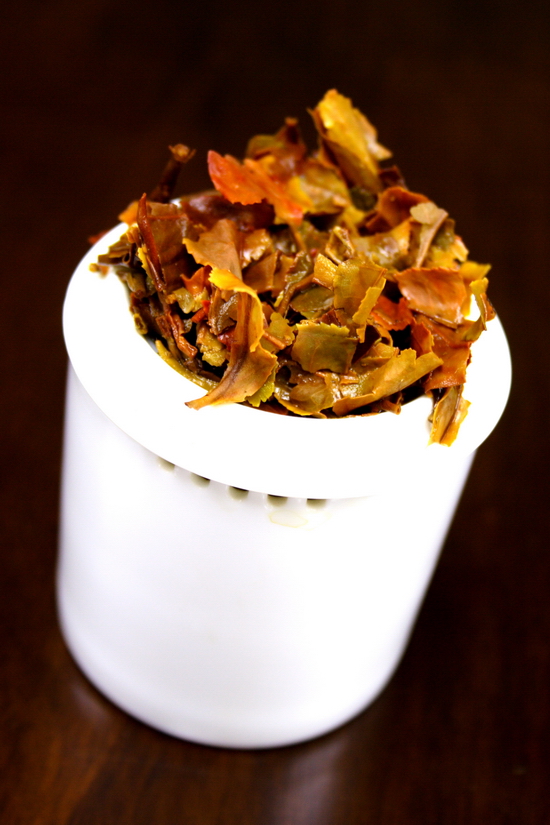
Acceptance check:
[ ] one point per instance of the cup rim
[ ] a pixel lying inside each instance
(249, 448)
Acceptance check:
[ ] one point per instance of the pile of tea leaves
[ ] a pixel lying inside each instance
(310, 284)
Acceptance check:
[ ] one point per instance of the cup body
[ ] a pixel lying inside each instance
(232, 576)
(232, 617)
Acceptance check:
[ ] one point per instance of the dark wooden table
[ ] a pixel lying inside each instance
(92, 93)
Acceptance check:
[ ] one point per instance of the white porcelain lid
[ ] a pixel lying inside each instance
(249, 448)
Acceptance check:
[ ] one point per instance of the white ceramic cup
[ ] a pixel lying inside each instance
(235, 577)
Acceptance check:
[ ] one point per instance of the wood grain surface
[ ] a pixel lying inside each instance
(92, 94)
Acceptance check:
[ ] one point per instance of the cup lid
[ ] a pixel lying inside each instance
(249, 448)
